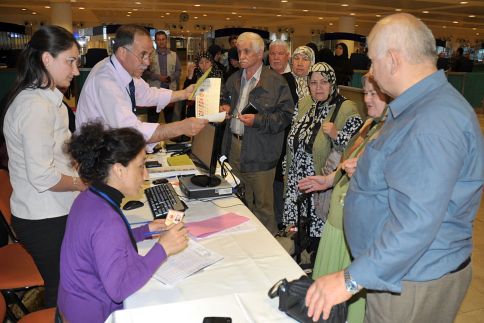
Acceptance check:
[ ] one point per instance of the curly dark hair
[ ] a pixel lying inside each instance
(95, 149)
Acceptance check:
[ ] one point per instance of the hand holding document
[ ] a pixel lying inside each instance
(207, 98)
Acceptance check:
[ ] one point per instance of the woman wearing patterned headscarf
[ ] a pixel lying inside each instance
(311, 138)
(302, 59)
(203, 63)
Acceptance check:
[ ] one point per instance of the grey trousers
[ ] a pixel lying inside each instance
(421, 302)
(259, 193)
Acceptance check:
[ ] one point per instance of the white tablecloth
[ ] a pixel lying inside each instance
(236, 286)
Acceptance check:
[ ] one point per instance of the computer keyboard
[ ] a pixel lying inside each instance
(162, 198)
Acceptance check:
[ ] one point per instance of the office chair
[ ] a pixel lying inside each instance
(18, 271)
(43, 316)
(3, 308)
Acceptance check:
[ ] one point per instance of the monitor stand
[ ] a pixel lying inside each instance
(205, 180)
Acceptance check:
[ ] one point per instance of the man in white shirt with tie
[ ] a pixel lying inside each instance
(114, 89)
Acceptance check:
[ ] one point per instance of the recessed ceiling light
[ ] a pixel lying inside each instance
(239, 16)
(357, 25)
(477, 34)
(425, 11)
(73, 0)
(254, 8)
(184, 11)
(129, 12)
(167, 13)
(137, 2)
(474, 28)
(81, 8)
(135, 9)
(47, 7)
(162, 16)
(344, 5)
(284, 1)
(330, 23)
(128, 15)
(305, 10)
(455, 22)
(378, 16)
(398, 9)
(23, 9)
(278, 15)
(352, 14)
(34, 13)
(204, 14)
(464, 2)
(227, 18)
(196, 5)
(234, 13)
(472, 16)
(444, 27)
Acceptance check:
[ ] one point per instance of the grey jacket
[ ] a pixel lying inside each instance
(262, 143)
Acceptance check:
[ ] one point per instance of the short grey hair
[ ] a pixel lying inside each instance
(279, 42)
(406, 34)
(256, 41)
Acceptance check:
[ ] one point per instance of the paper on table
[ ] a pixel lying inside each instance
(191, 260)
(214, 225)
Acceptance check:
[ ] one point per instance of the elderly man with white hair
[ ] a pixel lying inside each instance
(409, 209)
(253, 141)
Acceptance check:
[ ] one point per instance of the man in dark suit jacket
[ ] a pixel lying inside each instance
(253, 142)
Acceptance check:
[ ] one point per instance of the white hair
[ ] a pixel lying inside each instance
(403, 33)
(256, 41)
(279, 42)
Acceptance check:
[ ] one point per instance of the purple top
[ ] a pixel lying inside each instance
(99, 266)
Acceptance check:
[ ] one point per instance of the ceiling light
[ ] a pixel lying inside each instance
(128, 15)
(195, 17)
(474, 28)
(234, 13)
(34, 13)
(167, 13)
(204, 14)
(135, 9)
(73, 0)
(162, 16)
(137, 2)
(398, 10)
(284, 1)
(425, 11)
(129, 12)
(320, 18)
(81, 8)
(278, 15)
(305, 10)
(455, 22)
(477, 34)
(196, 5)
(330, 23)
(184, 11)
(345, 5)
(254, 8)
(357, 25)
(472, 16)
(227, 18)
(464, 2)
(352, 14)
(47, 7)
(444, 27)
(239, 16)
(378, 16)
(23, 9)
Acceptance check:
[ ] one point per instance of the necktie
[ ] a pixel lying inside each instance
(132, 95)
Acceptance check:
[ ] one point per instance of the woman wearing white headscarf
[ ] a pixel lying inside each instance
(311, 138)
(301, 61)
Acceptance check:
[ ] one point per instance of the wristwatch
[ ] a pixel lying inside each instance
(351, 286)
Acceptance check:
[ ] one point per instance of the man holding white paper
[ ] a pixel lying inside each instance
(253, 141)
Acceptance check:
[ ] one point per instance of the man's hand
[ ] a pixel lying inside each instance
(226, 108)
(189, 90)
(192, 126)
(324, 293)
(164, 79)
(247, 119)
(349, 166)
(330, 129)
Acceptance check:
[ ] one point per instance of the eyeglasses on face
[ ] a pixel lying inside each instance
(145, 56)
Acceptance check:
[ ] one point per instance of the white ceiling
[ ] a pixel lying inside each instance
(445, 17)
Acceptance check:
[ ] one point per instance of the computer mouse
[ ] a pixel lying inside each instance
(160, 181)
(131, 205)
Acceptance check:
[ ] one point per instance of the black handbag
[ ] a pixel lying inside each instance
(292, 301)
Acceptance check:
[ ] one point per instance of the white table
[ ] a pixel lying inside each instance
(236, 286)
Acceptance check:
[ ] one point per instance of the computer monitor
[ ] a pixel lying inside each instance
(205, 152)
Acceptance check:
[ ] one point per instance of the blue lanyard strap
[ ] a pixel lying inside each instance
(130, 91)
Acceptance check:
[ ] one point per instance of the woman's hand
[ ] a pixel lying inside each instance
(174, 239)
(315, 183)
(330, 129)
(157, 225)
(349, 166)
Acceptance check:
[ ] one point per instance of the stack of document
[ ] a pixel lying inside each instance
(191, 260)
(218, 224)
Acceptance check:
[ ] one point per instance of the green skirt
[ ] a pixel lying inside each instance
(333, 254)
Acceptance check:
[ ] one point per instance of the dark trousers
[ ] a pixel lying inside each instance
(43, 240)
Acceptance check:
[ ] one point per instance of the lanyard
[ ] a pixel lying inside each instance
(131, 96)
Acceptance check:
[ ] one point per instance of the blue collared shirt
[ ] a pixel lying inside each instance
(410, 206)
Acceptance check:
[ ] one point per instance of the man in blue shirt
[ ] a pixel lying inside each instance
(409, 210)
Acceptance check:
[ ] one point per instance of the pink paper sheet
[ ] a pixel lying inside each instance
(201, 229)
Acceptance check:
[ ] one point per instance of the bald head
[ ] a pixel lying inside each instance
(405, 34)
